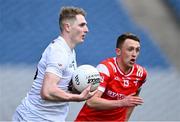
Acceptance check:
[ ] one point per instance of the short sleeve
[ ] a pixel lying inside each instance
(143, 77)
(104, 72)
(56, 61)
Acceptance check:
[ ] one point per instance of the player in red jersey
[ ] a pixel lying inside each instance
(122, 78)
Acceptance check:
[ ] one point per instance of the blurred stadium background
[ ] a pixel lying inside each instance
(28, 26)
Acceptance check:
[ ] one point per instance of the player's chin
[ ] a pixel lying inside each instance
(81, 40)
(131, 64)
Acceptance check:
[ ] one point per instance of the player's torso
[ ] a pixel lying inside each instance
(120, 84)
(68, 67)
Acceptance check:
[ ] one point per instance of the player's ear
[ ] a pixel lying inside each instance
(67, 27)
(118, 51)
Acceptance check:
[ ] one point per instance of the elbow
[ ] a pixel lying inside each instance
(45, 94)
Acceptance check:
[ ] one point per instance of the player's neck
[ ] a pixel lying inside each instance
(68, 41)
(125, 69)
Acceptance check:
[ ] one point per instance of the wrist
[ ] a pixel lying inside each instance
(120, 103)
(75, 98)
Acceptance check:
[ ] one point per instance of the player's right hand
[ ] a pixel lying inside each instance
(86, 93)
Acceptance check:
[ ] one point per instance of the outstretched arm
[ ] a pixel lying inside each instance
(97, 102)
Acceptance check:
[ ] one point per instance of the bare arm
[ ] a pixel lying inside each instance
(130, 109)
(50, 90)
(103, 104)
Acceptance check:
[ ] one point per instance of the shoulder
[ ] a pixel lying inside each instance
(57, 44)
(102, 68)
(57, 47)
(106, 66)
(140, 71)
(55, 53)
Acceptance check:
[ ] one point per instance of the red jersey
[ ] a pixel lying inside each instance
(115, 85)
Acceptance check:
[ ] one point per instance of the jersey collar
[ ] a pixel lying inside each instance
(121, 72)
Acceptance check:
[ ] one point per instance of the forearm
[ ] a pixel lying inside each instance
(51, 91)
(98, 102)
(56, 94)
(104, 104)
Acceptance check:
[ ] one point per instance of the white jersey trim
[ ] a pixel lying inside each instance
(100, 88)
(103, 69)
(121, 71)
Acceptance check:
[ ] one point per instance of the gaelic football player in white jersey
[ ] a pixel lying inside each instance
(48, 98)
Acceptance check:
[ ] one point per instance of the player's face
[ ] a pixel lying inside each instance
(129, 52)
(79, 29)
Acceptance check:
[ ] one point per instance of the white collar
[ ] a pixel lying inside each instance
(121, 72)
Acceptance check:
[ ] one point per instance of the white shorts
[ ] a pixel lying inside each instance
(23, 115)
(27, 116)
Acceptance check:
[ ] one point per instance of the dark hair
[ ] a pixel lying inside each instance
(125, 36)
(69, 13)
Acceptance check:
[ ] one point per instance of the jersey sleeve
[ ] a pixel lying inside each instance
(143, 75)
(56, 61)
(105, 75)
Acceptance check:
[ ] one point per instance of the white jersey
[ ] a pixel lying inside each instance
(59, 59)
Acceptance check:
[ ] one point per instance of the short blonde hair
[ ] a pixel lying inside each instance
(69, 13)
